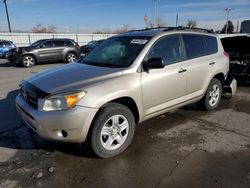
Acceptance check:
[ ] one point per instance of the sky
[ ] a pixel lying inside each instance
(86, 16)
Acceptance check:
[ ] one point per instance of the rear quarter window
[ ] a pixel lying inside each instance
(211, 43)
(194, 46)
(70, 43)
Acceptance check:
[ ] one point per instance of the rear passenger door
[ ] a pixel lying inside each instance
(59, 49)
(199, 64)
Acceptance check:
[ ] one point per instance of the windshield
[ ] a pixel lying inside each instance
(36, 43)
(116, 52)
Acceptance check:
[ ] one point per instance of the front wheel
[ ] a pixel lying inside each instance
(6, 55)
(213, 95)
(28, 61)
(113, 130)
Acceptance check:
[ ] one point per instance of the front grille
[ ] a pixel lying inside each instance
(29, 97)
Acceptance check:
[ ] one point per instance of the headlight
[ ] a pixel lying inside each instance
(62, 102)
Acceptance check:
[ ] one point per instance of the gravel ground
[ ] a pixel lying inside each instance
(183, 148)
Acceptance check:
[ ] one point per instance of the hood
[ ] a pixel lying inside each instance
(20, 49)
(71, 77)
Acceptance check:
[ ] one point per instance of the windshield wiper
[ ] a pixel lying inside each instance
(101, 64)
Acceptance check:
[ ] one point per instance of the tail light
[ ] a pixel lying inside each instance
(226, 54)
(77, 46)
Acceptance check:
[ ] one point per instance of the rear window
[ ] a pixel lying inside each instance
(194, 46)
(1, 44)
(211, 43)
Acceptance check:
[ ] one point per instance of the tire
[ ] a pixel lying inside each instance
(112, 130)
(6, 55)
(213, 95)
(28, 61)
(71, 57)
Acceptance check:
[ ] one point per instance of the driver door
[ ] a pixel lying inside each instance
(47, 51)
(163, 88)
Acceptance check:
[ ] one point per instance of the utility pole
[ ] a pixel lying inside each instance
(228, 10)
(237, 26)
(154, 14)
(177, 19)
(7, 14)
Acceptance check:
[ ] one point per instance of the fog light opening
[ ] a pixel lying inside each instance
(62, 133)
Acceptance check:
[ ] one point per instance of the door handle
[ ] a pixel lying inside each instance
(211, 63)
(182, 70)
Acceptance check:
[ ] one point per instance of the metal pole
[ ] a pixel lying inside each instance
(154, 13)
(177, 19)
(7, 14)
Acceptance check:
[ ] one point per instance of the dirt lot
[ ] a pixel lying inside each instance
(184, 148)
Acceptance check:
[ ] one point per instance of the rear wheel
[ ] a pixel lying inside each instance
(28, 61)
(213, 95)
(71, 57)
(113, 130)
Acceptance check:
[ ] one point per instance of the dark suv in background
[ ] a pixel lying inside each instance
(238, 47)
(45, 50)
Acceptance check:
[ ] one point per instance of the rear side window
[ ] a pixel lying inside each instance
(211, 43)
(59, 43)
(194, 46)
(70, 43)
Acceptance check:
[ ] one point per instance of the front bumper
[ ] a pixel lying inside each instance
(75, 122)
(14, 57)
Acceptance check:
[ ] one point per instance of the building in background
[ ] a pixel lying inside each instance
(245, 26)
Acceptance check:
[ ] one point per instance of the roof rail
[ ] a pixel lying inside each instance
(189, 29)
(180, 28)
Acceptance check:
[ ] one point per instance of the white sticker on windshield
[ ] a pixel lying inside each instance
(139, 41)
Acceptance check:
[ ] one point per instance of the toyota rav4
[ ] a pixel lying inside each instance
(127, 79)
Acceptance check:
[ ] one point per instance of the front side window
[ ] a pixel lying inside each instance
(36, 43)
(168, 48)
(48, 44)
(116, 51)
(1, 44)
(194, 46)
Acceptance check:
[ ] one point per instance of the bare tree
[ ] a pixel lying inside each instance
(191, 23)
(122, 29)
(160, 22)
(41, 29)
(51, 29)
(230, 27)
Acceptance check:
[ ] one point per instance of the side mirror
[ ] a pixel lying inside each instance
(40, 46)
(155, 63)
